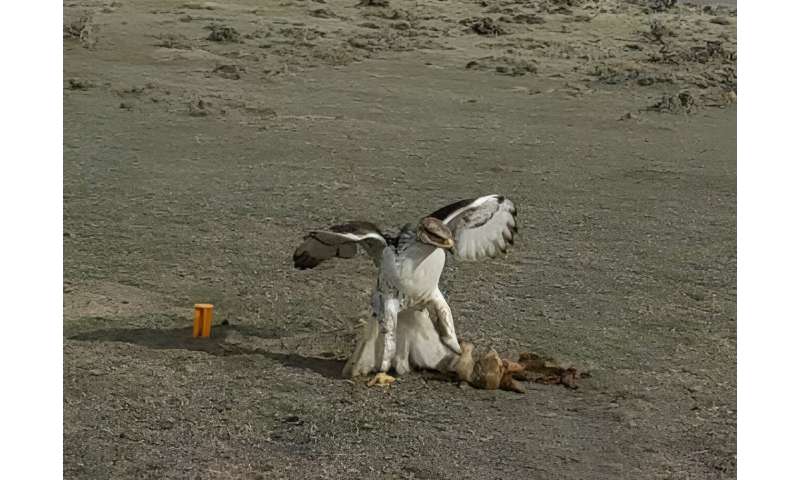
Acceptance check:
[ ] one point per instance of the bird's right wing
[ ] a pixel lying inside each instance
(342, 241)
(482, 227)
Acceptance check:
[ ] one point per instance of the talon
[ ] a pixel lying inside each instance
(452, 344)
(381, 379)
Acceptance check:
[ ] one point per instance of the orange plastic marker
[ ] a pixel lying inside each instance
(203, 313)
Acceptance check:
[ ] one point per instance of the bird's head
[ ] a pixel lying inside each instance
(434, 232)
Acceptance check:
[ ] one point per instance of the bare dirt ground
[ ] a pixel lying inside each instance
(202, 139)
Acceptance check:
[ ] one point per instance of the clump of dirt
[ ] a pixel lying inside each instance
(582, 18)
(76, 27)
(568, 3)
(666, 55)
(527, 18)
(391, 14)
(679, 103)
(650, 6)
(516, 68)
(373, 3)
(172, 40)
(401, 25)
(718, 10)
(658, 30)
(611, 75)
(231, 72)
(510, 66)
(622, 74)
(724, 78)
(483, 26)
(82, 29)
(302, 34)
(199, 6)
(79, 84)
(558, 7)
(337, 56)
(323, 13)
(710, 52)
(662, 5)
(398, 38)
(200, 108)
(223, 33)
(261, 110)
(134, 91)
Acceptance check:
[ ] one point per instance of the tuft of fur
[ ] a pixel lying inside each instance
(490, 372)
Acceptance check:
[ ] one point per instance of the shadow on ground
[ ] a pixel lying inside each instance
(217, 344)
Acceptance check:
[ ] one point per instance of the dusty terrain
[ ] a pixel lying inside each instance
(201, 140)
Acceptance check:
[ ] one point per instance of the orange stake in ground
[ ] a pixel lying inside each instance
(203, 313)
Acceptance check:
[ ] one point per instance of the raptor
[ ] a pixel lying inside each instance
(410, 264)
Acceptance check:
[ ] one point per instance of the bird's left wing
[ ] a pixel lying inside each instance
(342, 241)
(482, 227)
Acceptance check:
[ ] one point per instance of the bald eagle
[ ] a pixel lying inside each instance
(410, 264)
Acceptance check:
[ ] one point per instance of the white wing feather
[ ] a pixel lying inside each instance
(482, 227)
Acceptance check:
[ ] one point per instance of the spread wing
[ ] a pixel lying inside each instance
(342, 241)
(482, 227)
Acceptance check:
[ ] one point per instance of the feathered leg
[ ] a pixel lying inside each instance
(387, 323)
(366, 356)
(445, 325)
(377, 346)
(401, 361)
(418, 344)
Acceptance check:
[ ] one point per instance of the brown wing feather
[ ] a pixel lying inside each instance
(339, 241)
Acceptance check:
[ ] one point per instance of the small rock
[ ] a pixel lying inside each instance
(682, 102)
(231, 72)
(198, 108)
(78, 84)
(322, 13)
(200, 6)
(222, 33)
(358, 43)
(487, 26)
(293, 420)
(528, 18)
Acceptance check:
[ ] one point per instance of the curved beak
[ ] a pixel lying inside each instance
(449, 243)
